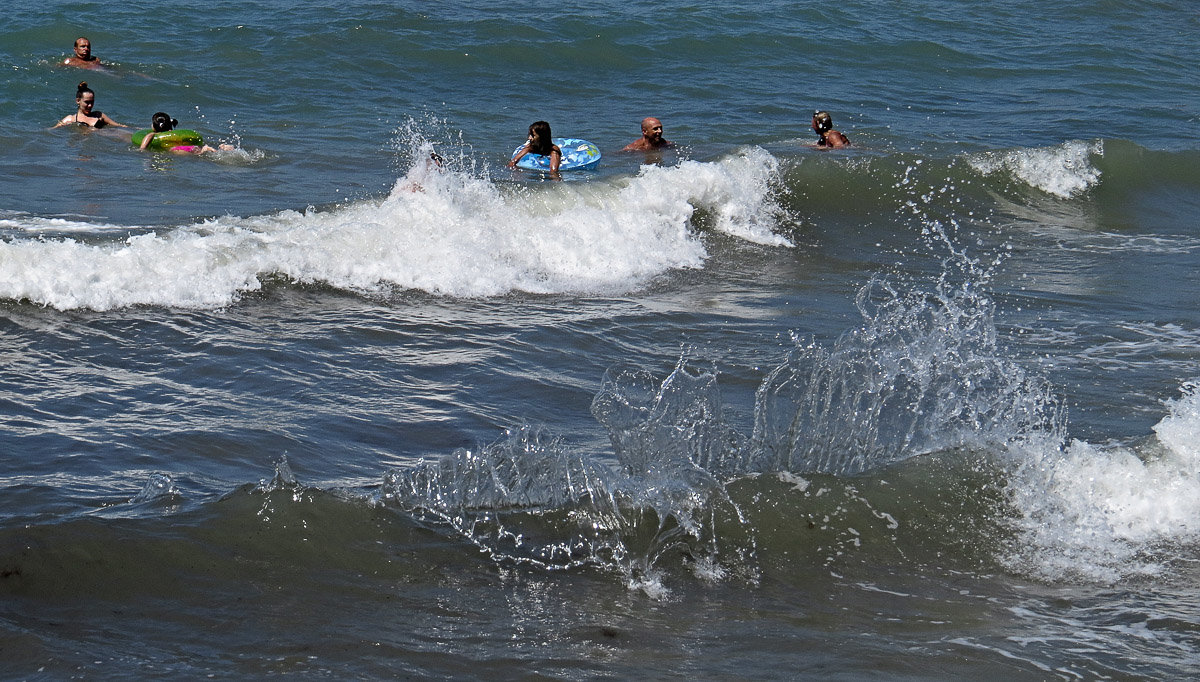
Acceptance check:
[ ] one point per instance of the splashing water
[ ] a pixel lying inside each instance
(922, 374)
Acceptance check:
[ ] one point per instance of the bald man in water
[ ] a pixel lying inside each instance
(83, 56)
(652, 137)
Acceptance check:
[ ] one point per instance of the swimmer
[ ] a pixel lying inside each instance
(540, 143)
(83, 56)
(822, 125)
(85, 116)
(162, 122)
(652, 137)
(412, 181)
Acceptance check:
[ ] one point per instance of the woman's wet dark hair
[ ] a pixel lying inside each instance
(161, 122)
(83, 89)
(541, 142)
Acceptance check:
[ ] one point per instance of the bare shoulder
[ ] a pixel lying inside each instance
(837, 139)
(89, 64)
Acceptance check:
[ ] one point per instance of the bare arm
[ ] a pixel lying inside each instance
(111, 122)
(555, 159)
(65, 122)
(146, 140)
(515, 159)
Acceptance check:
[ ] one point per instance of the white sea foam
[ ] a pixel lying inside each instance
(1064, 170)
(444, 232)
(17, 223)
(1100, 512)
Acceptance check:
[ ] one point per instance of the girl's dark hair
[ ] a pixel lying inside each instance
(541, 142)
(161, 122)
(83, 88)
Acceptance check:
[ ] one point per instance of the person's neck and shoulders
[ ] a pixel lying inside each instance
(93, 119)
(644, 145)
(833, 139)
(83, 63)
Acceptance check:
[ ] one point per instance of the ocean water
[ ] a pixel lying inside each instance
(923, 408)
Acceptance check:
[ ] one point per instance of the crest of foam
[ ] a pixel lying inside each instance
(1064, 170)
(440, 230)
(1101, 511)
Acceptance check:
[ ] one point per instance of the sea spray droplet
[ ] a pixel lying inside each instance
(158, 486)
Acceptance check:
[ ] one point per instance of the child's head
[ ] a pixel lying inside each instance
(162, 122)
(539, 137)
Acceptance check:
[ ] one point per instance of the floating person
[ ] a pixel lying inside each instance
(163, 136)
(540, 143)
(822, 125)
(85, 115)
(651, 139)
(83, 56)
(412, 182)
(545, 153)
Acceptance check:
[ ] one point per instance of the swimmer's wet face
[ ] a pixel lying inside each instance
(83, 48)
(652, 129)
(86, 101)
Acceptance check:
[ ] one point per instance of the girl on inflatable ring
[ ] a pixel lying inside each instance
(162, 122)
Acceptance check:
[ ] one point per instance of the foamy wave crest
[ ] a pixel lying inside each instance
(18, 224)
(440, 230)
(1105, 512)
(1064, 171)
(190, 268)
(737, 191)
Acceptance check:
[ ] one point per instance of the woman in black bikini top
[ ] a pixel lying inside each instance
(84, 116)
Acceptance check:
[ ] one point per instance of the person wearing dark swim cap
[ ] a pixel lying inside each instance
(822, 125)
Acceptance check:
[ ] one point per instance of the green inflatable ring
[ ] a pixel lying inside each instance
(171, 138)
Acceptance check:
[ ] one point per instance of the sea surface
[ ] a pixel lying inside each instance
(923, 408)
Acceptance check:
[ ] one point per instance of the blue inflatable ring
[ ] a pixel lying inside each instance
(576, 155)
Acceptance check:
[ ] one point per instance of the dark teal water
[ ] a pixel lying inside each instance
(922, 408)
